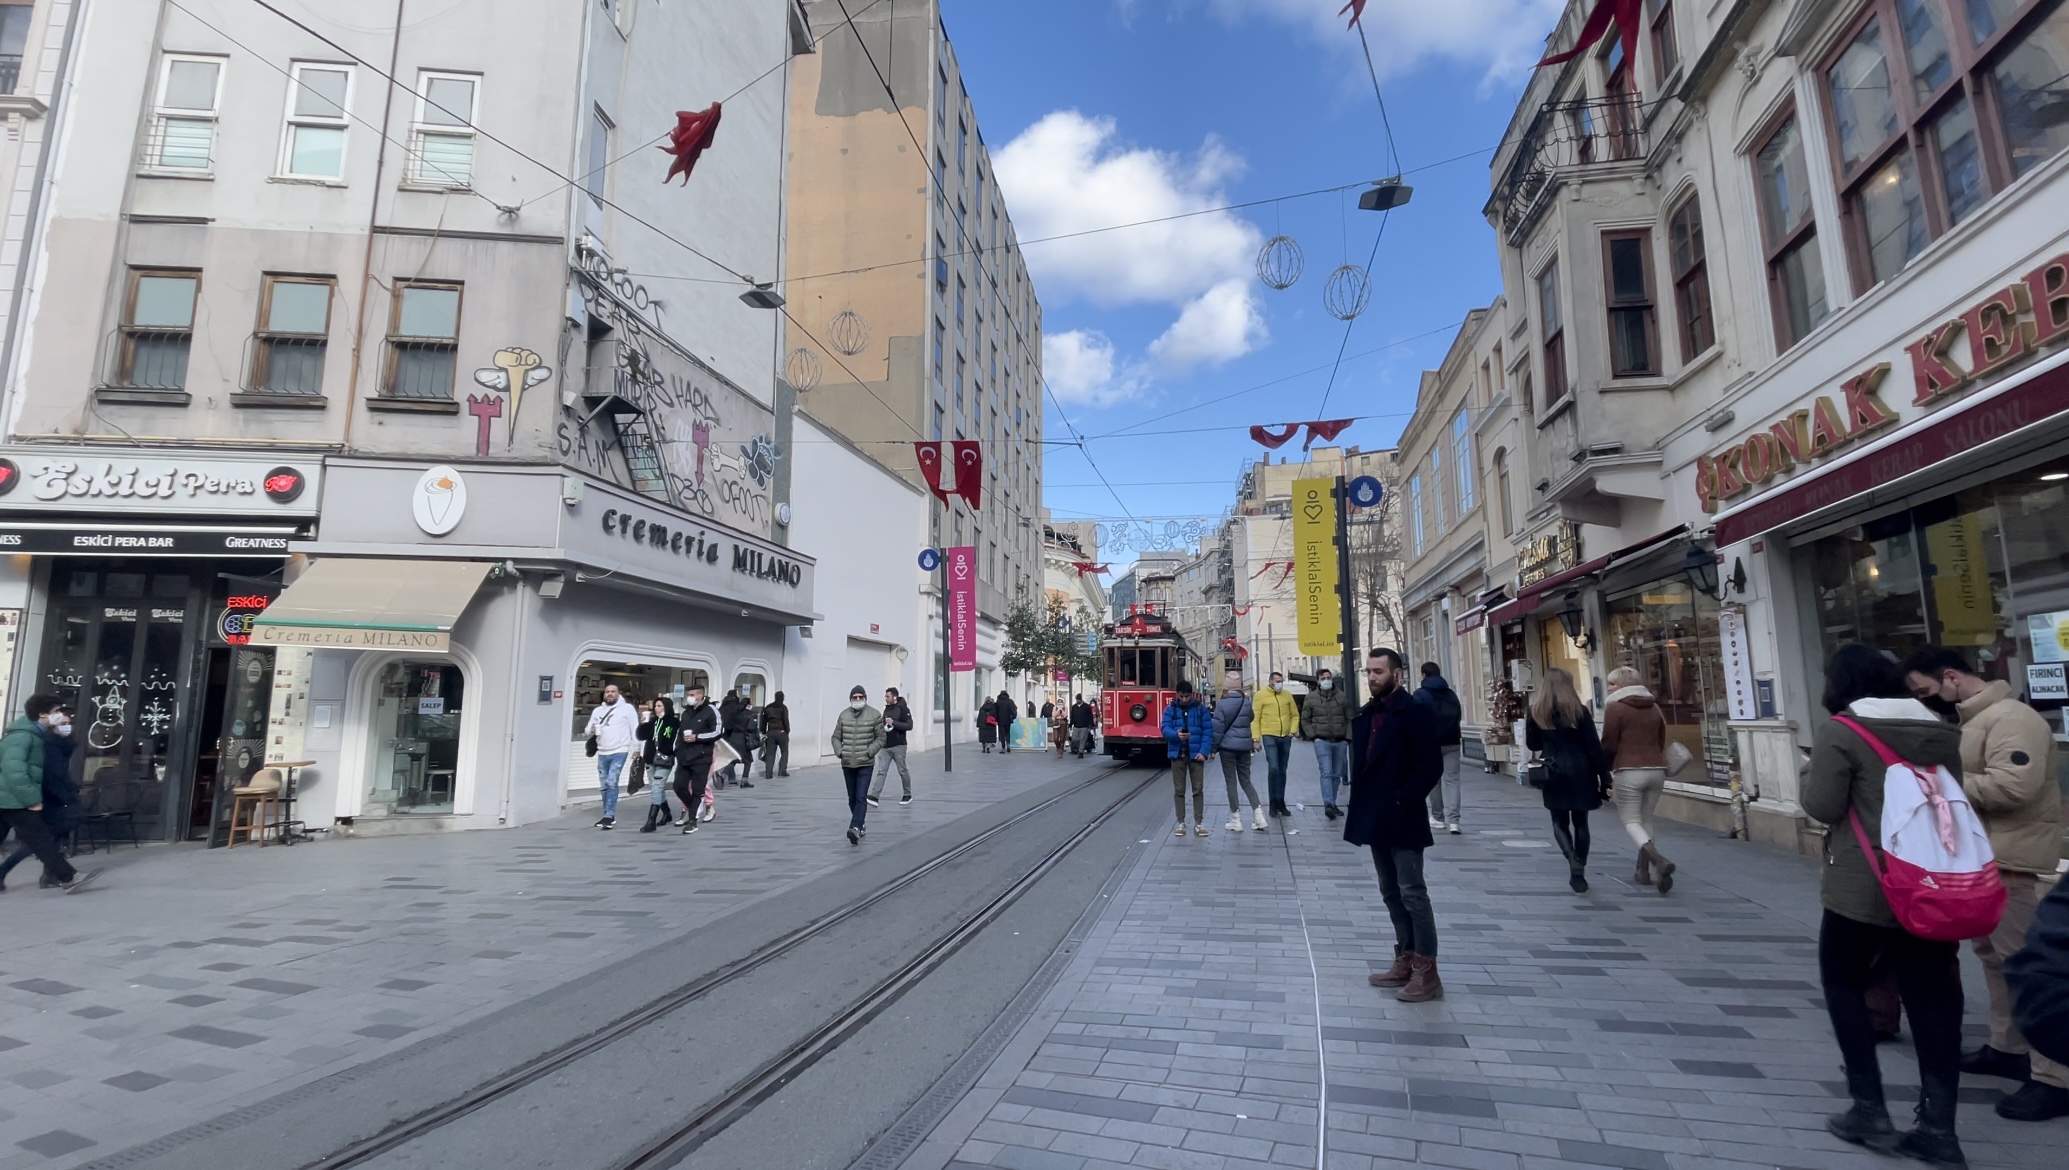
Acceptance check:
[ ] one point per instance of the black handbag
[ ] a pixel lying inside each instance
(589, 748)
(1537, 773)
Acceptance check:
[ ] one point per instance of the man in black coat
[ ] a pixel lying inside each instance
(1395, 762)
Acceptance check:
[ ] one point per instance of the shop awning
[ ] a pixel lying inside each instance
(1528, 597)
(369, 604)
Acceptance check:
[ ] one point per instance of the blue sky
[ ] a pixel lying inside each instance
(1105, 111)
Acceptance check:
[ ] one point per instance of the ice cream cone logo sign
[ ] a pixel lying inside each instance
(515, 371)
(439, 501)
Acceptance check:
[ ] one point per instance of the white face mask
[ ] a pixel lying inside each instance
(1277, 685)
(1328, 684)
(857, 704)
(64, 728)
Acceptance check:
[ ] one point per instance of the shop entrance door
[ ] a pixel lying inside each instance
(236, 702)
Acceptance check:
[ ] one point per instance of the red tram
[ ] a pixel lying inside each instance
(1145, 658)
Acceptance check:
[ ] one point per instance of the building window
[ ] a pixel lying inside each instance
(1633, 324)
(313, 144)
(1437, 517)
(1415, 512)
(1554, 327)
(423, 338)
(962, 143)
(598, 156)
(1795, 273)
(1933, 106)
(959, 384)
(940, 333)
(940, 94)
(14, 41)
(960, 290)
(1462, 459)
(1666, 51)
(1501, 491)
(939, 419)
(183, 122)
(294, 330)
(1691, 278)
(940, 266)
(442, 146)
(158, 329)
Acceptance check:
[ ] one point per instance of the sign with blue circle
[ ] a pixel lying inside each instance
(930, 559)
(1366, 491)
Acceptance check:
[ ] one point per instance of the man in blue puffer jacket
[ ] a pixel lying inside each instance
(1188, 741)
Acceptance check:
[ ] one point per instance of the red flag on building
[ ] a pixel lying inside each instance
(929, 456)
(1625, 14)
(692, 135)
(1235, 647)
(969, 473)
(1274, 439)
(1084, 567)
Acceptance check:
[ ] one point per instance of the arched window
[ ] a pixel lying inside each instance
(1501, 489)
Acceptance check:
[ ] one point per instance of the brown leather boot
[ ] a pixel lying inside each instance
(1665, 868)
(1643, 876)
(1423, 984)
(1396, 975)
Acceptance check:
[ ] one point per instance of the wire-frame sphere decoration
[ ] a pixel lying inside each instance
(803, 369)
(1280, 262)
(1348, 291)
(848, 332)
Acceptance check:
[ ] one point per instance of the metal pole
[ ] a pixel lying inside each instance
(947, 680)
(1344, 592)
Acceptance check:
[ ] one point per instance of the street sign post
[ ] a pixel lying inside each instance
(930, 559)
(1366, 492)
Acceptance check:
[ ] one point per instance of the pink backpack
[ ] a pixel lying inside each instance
(1937, 870)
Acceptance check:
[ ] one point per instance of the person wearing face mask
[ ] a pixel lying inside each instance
(1325, 717)
(858, 735)
(1277, 722)
(25, 791)
(2008, 775)
(699, 733)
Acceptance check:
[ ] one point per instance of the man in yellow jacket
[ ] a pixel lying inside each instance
(1277, 722)
(2008, 775)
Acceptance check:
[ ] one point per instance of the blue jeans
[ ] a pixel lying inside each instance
(858, 793)
(1277, 749)
(608, 768)
(1333, 757)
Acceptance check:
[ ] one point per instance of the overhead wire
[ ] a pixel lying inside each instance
(1394, 153)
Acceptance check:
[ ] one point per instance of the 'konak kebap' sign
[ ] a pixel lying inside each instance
(1997, 332)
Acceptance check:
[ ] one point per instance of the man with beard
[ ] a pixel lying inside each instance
(1395, 762)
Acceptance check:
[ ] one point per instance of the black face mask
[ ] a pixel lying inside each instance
(1944, 709)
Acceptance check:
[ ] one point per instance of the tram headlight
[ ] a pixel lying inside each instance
(1138, 712)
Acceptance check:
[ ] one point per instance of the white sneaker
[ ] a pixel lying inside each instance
(710, 813)
(1200, 830)
(1454, 829)
(1436, 822)
(1235, 823)
(1258, 819)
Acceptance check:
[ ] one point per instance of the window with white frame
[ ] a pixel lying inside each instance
(183, 119)
(1437, 488)
(1462, 459)
(598, 155)
(313, 143)
(442, 136)
(1415, 512)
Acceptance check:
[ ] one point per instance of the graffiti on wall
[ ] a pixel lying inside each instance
(514, 371)
(654, 419)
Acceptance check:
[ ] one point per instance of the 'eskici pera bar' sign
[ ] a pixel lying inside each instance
(2006, 327)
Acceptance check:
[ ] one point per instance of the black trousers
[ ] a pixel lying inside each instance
(1570, 830)
(692, 777)
(1928, 978)
(35, 834)
(1407, 896)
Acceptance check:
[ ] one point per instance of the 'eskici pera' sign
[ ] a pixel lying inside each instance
(2008, 326)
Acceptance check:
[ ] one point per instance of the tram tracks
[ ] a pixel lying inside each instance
(770, 1075)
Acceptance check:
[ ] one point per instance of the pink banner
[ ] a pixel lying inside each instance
(962, 608)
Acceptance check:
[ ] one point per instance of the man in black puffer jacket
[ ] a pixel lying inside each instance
(1442, 701)
(2039, 978)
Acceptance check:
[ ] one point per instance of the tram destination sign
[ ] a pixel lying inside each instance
(91, 540)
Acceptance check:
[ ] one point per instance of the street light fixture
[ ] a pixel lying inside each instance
(763, 296)
(1575, 620)
(1701, 567)
(1386, 195)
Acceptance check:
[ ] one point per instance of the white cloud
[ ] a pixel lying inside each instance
(1503, 35)
(1079, 366)
(1069, 173)
(1222, 324)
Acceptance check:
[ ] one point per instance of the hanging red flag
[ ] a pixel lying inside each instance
(1084, 567)
(693, 133)
(1356, 8)
(1241, 610)
(1268, 567)
(1287, 572)
(929, 456)
(1626, 14)
(1326, 430)
(969, 473)
(1274, 439)
(1235, 647)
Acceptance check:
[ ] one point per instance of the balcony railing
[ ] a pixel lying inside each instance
(1564, 137)
(10, 71)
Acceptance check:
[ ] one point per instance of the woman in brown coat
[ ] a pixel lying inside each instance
(1634, 733)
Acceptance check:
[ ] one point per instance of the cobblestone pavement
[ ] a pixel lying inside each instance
(1616, 1028)
(191, 981)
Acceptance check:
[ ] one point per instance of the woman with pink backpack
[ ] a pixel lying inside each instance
(1902, 887)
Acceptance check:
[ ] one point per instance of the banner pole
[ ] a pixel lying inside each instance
(1343, 586)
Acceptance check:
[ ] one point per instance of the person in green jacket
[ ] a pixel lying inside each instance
(858, 735)
(1325, 718)
(21, 791)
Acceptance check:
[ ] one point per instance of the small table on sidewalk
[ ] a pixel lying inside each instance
(288, 828)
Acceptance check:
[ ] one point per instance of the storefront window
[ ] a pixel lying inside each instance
(640, 683)
(1668, 633)
(753, 687)
(417, 712)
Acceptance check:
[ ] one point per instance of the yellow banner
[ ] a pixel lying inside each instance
(1315, 579)
(1962, 597)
